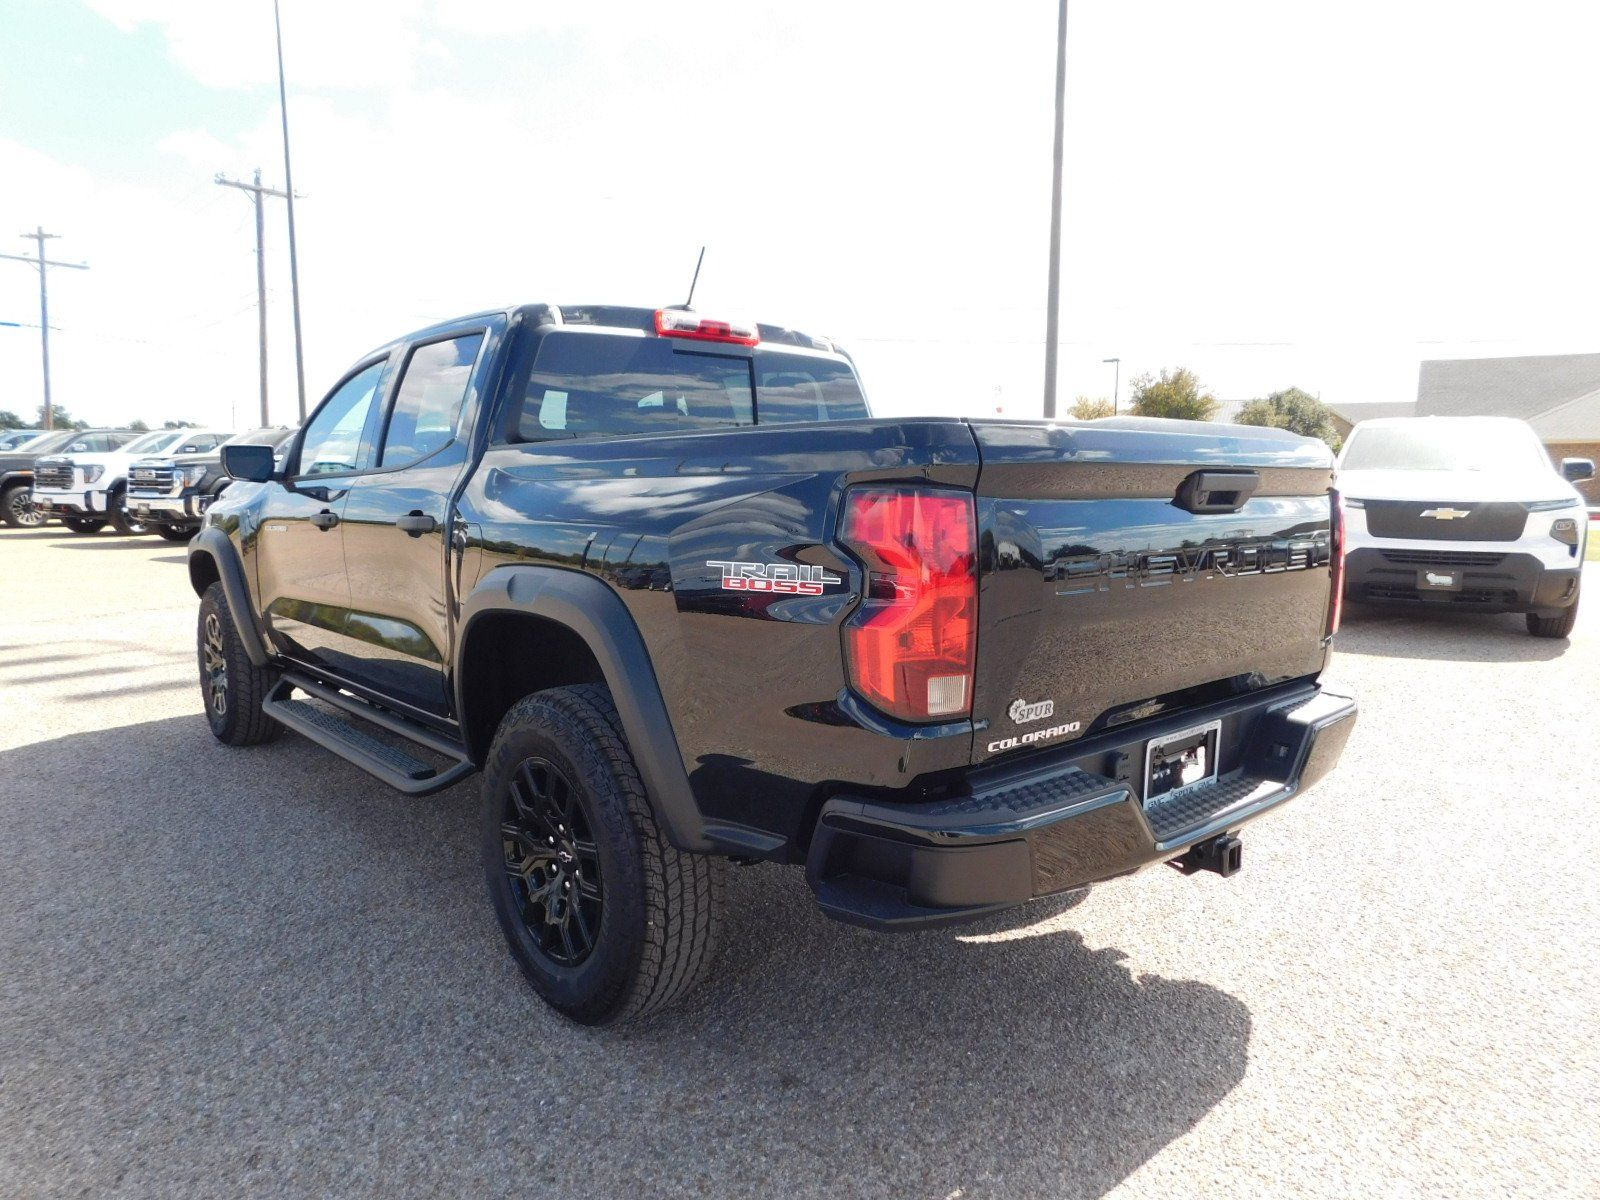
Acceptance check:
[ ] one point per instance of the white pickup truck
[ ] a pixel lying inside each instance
(1463, 513)
(86, 490)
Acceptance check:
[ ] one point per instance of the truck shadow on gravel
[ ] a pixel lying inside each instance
(1445, 636)
(285, 979)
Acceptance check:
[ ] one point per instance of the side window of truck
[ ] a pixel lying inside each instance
(606, 385)
(798, 387)
(428, 400)
(332, 441)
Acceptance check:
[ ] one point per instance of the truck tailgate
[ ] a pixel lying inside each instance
(1109, 591)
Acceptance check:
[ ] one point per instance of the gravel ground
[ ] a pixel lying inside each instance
(229, 973)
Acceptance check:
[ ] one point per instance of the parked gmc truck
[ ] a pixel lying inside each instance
(665, 582)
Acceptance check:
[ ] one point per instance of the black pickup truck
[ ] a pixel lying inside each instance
(665, 582)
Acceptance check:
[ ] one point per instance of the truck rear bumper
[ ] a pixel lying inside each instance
(1036, 830)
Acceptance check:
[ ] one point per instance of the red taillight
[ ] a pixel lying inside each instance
(1336, 562)
(910, 646)
(679, 322)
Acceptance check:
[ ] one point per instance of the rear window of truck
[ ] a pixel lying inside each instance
(603, 385)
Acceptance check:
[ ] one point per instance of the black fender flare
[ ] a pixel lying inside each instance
(593, 611)
(212, 543)
(7, 478)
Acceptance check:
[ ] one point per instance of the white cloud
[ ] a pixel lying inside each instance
(1261, 191)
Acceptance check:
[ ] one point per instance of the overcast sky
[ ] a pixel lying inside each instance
(1272, 194)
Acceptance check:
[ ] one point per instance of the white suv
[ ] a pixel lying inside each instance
(87, 490)
(1464, 513)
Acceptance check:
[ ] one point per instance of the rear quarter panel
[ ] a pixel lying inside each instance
(754, 682)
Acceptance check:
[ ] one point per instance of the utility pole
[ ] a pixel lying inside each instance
(288, 183)
(40, 236)
(256, 192)
(1052, 325)
(1116, 382)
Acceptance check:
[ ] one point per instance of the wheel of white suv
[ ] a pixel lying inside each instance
(1558, 626)
(177, 533)
(232, 686)
(16, 507)
(122, 520)
(605, 917)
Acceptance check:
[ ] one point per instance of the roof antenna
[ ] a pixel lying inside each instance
(690, 301)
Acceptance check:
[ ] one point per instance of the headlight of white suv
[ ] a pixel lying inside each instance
(90, 474)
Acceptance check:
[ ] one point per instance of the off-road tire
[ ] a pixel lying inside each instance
(660, 909)
(1558, 626)
(237, 719)
(177, 533)
(16, 507)
(121, 521)
(83, 524)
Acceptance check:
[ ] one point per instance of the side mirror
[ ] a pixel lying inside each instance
(1576, 470)
(253, 463)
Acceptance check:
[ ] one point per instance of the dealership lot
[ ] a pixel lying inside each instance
(261, 972)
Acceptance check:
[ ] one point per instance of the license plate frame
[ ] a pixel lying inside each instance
(1439, 579)
(1194, 750)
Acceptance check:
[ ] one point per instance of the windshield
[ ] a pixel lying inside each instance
(159, 440)
(21, 439)
(1428, 445)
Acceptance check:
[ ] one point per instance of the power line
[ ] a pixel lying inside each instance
(39, 236)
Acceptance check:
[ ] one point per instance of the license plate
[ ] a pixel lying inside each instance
(142, 508)
(1181, 760)
(1437, 580)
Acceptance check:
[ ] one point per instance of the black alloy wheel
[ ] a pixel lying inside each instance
(552, 862)
(20, 512)
(122, 520)
(214, 666)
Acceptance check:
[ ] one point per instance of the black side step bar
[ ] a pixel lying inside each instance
(345, 738)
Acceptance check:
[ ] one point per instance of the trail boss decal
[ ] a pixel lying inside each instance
(786, 579)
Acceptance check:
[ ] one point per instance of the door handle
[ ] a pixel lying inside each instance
(325, 520)
(416, 523)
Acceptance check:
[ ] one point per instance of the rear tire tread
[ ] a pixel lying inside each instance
(683, 893)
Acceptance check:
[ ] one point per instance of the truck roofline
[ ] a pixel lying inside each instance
(619, 317)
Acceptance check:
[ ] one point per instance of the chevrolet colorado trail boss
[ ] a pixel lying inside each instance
(665, 582)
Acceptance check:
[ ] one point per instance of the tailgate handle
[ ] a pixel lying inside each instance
(1216, 491)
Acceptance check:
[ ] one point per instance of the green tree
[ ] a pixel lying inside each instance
(1174, 393)
(178, 425)
(10, 420)
(138, 427)
(63, 419)
(1295, 410)
(1089, 408)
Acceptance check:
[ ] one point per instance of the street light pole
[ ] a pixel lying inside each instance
(1053, 292)
(43, 263)
(1116, 382)
(288, 186)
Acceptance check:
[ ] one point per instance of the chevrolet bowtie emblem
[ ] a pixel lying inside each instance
(1445, 514)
